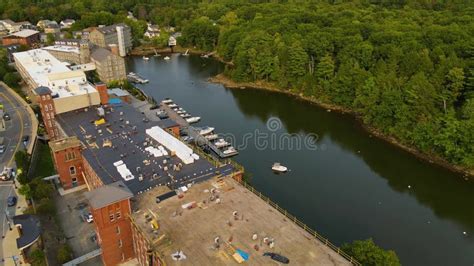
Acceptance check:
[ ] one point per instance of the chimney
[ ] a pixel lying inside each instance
(103, 94)
(114, 49)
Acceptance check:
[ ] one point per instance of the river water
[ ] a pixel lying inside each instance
(342, 182)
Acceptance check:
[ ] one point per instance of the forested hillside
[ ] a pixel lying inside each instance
(406, 66)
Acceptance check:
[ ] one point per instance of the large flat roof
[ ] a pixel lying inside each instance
(45, 70)
(193, 231)
(122, 138)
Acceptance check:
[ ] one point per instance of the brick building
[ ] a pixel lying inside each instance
(110, 207)
(68, 161)
(119, 34)
(26, 37)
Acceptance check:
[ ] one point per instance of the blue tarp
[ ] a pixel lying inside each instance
(115, 101)
(243, 254)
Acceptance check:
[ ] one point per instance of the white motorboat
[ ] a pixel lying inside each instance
(146, 58)
(193, 119)
(220, 143)
(211, 136)
(167, 58)
(185, 115)
(205, 130)
(172, 105)
(229, 150)
(277, 167)
(167, 101)
(180, 112)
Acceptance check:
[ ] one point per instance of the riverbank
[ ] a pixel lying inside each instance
(146, 50)
(431, 158)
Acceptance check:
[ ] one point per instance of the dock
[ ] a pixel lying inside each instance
(135, 78)
(194, 132)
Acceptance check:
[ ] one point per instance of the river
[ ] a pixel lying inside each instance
(346, 185)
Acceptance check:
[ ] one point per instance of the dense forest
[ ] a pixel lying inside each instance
(405, 66)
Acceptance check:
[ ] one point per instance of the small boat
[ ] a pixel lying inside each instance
(220, 143)
(172, 105)
(146, 58)
(186, 53)
(211, 136)
(180, 112)
(277, 167)
(167, 58)
(167, 101)
(193, 119)
(162, 114)
(229, 150)
(205, 130)
(205, 56)
(185, 115)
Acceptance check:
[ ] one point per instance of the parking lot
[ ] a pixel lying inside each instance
(78, 232)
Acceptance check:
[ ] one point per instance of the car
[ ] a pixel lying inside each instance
(6, 116)
(6, 174)
(2, 149)
(25, 138)
(277, 257)
(88, 217)
(11, 201)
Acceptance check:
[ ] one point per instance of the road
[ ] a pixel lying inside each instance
(18, 126)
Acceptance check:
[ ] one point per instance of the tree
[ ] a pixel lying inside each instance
(454, 85)
(325, 68)
(64, 253)
(298, 60)
(368, 253)
(50, 38)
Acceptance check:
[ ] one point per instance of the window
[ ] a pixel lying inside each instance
(70, 156)
(120, 243)
(111, 217)
(117, 230)
(49, 123)
(46, 107)
(72, 170)
(50, 107)
(48, 116)
(43, 97)
(118, 215)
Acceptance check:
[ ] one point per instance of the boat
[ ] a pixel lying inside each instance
(229, 150)
(211, 136)
(205, 130)
(193, 119)
(181, 112)
(185, 115)
(156, 53)
(220, 143)
(205, 56)
(277, 167)
(172, 105)
(167, 101)
(167, 58)
(146, 58)
(186, 53)
(162, 114)
(135, 78)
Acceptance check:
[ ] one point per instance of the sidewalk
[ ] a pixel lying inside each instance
(9, 242)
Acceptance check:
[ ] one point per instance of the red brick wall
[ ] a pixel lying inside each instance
(116, 244)
(28, 41)
(63, 165)
(103, 94)
(141, 246)
(48, 113)
(92, 179)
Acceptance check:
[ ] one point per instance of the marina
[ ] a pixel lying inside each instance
(203, 137)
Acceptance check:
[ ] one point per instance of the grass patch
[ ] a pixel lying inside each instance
(44, 166)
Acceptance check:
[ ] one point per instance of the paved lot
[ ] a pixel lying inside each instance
(78, 232)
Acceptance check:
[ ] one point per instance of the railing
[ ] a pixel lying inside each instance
(322, 239)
